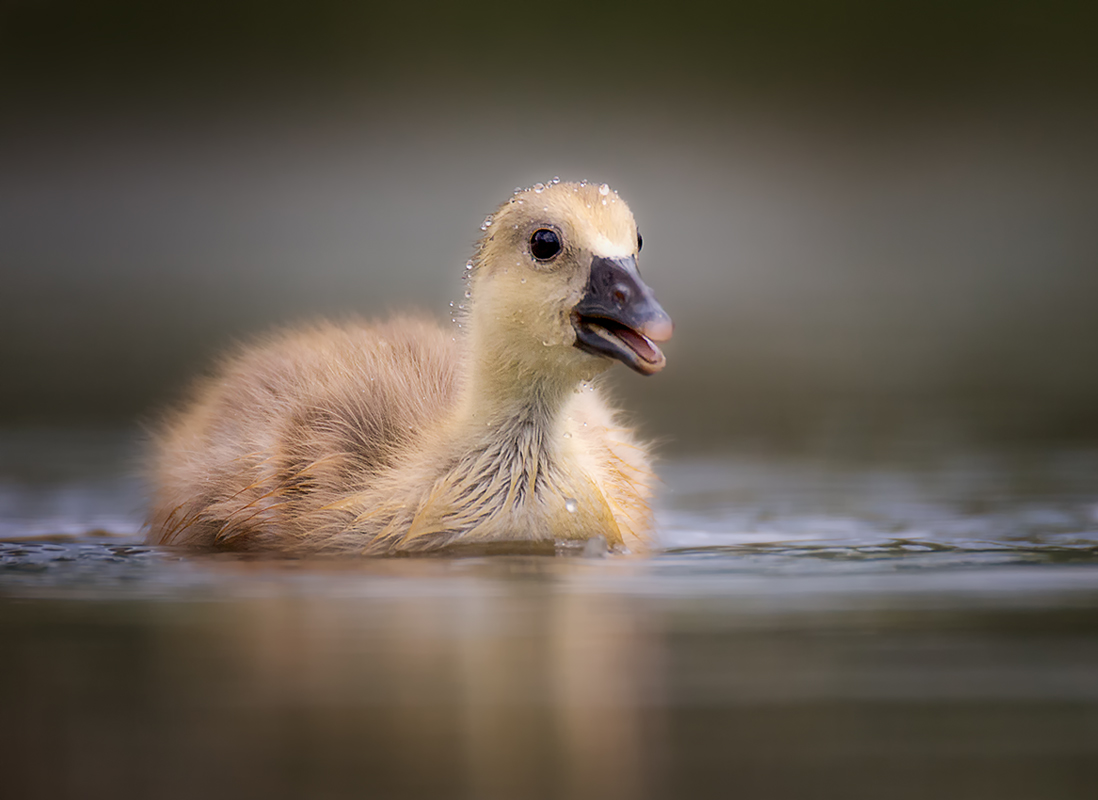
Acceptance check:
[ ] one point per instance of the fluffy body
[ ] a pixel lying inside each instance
(403, 437)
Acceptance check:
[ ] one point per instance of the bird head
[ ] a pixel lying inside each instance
(555, 279)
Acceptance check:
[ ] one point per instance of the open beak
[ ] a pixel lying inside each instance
(619, 317)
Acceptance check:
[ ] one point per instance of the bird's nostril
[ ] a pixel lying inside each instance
(621, 295)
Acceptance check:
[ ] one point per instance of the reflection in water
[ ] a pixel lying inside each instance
(545, 677)
(522, 676)
(502, 688)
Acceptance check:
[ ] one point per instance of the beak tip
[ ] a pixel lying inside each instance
(659, 329)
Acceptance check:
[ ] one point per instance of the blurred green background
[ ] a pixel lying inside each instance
(870, 220)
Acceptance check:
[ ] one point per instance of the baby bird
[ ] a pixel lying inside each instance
(402, 437)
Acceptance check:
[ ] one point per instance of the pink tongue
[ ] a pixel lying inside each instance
(641, 346)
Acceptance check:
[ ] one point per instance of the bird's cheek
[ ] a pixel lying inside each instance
(557, 331)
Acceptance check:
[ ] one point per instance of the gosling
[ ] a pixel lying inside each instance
(402, 437)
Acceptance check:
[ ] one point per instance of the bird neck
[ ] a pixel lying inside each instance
(505, 393)
(512, 465)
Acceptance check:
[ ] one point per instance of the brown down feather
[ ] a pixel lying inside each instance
(400, 436)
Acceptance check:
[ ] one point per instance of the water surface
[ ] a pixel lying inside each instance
(811, 627)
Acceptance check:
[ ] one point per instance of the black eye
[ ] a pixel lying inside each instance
(544, 244)
(640, 242)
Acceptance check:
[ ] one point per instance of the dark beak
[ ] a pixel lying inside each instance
(619, 317)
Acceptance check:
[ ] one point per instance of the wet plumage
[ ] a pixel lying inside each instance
(404, 436)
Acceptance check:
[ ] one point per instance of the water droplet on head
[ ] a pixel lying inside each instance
(451, 304)
(468, 294)
(604, 202)
(604, 189)
(468, 265)
(571, 505)
(523, 280)
(539, 188)
(567, 436)
(555, 180)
